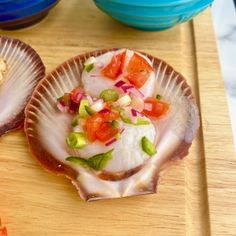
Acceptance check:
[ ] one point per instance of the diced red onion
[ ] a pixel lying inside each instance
(133, 112)
(90, 100)
(126, 88)
(136, 113)
(104, 111)
(141, 114)
(94, 75)
(72, 111)
(110, 142)
(122, 130)
(119, 83)
(62, 107)
(73, 107)
(79, 96)
(137, 103)
(61, 102)
(136, 92)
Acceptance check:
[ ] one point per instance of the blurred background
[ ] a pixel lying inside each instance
(224, 20)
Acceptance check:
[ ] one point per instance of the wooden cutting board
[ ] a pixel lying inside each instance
(197, 196)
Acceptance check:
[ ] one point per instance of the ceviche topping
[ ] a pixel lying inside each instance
(96, 162)
(104, 119)
(115, 67)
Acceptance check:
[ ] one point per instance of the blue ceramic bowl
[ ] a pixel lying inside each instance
(21, 13)
(152, 14)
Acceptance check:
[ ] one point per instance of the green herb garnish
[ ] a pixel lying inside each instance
(115, 124)
(76, 140)
(125, 118)
(78, 161)
(75, 121)
(89, 67)
(89, 110)
(82, 108)
(118, 136)
(128, 120)
(158, 97)
(96, 162)
(99, 161)
(148, 146)
(109, 95)
(142, 121)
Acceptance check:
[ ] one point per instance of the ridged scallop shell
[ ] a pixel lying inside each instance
(46, 129)
(24, 70)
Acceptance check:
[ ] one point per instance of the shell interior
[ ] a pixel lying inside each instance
(24, 70)
(46, 129)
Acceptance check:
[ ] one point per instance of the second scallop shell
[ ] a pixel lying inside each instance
(20, 71)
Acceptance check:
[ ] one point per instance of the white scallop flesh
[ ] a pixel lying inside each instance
(127, 151)
(178, 126)
(94, 82)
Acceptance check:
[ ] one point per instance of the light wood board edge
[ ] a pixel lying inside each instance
(220, 159)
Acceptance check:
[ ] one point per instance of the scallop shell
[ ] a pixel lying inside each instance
(24, 70)
(46, 129)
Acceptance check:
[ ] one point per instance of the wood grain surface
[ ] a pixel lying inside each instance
(197, 196)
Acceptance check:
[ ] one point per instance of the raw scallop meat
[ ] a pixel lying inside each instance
(46, 128)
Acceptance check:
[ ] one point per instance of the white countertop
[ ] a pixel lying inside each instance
(224, 20)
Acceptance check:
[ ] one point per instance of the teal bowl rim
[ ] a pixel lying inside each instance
(176, 14)
(161, 3)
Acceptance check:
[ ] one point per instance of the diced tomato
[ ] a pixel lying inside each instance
(92, 124)
(98, 126)
(110, 116)
(138, 79)
(122, 59)
(76, 95)
(106, 132)
(138, 71)
(155, 108)
(115, 67)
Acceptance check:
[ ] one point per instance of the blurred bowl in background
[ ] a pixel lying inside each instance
(152, 14)
(15, 14)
